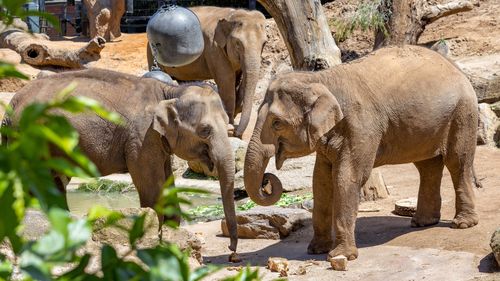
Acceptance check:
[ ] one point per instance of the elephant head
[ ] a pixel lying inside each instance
(193, 127)
(242, 36)
(291, 121)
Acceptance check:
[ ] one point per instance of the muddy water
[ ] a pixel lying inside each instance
(80, 202)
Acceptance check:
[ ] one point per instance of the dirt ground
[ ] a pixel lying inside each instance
(389, 249)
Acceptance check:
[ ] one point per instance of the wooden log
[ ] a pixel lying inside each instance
(38, 50)
(304, 27)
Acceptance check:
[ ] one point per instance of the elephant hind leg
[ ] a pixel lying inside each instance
(459, 160)
(429, 197)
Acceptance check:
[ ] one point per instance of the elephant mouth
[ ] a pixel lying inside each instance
(280, 155)
(207, 161)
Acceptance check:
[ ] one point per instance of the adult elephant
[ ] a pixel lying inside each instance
(396, 105)
(234, 39)
(160, 120)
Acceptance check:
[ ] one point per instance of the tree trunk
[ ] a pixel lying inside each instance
(408, 19)
(38, 50)
(304, 27)
(374, 187)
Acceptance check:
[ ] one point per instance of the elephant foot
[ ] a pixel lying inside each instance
(319, 246)
(349, 251)
(419, 221)
(230, 130)
(465, 220)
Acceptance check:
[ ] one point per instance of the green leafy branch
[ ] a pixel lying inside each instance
(369, 15)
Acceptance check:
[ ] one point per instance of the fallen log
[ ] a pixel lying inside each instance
(38, 50)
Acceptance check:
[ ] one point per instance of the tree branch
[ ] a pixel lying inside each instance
(436, 12)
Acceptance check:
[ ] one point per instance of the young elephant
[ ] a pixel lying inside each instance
(397, 105)
(160, 120)
(234, 39)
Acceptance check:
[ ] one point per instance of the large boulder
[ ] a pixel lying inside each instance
(268, 222)
(104, 17)
(488, 125)
(495, 245)
(484, 74)
(239, 148)
(117, 237)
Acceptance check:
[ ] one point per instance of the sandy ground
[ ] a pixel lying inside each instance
(389, 249)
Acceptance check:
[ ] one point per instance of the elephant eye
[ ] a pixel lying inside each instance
(204, 131)
(277, 125)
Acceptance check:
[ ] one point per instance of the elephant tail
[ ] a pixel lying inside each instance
(477, 182)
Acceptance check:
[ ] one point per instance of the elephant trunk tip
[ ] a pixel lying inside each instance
(270, 191)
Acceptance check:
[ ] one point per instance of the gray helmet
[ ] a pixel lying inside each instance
(174, 34)
(160, 76)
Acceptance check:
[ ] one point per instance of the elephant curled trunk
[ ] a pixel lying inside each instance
(263, 188)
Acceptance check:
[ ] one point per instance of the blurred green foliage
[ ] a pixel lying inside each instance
(369, 15)
(26, 181)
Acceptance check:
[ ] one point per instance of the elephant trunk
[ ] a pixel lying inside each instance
(223, 158)
(263, 188)
(251, 70)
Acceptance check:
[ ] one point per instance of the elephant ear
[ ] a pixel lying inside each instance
(222, 32)
(323, 114)
(166, 120)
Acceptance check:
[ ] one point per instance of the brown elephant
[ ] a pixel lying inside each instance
(160, 120)
(234, 39)
(396, 105)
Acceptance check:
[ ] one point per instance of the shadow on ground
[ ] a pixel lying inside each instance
(370, 231)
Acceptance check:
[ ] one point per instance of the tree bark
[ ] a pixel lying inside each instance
(304, 27)
(38, 50)
(408, 19)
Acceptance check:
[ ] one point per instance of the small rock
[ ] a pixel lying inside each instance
(441, 47)
(308, 205)
(267, 222)
(488, 124)
(406, 207)
(495, 245)
(44, 73)
(339, 263)
(234, 258)
(280, 265)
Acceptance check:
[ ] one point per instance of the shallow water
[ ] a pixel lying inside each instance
(80, 202)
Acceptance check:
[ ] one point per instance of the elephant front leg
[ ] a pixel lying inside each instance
(322, 211)
(348, 177)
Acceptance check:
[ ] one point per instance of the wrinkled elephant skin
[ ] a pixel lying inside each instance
(160, 120)
(396, 105)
